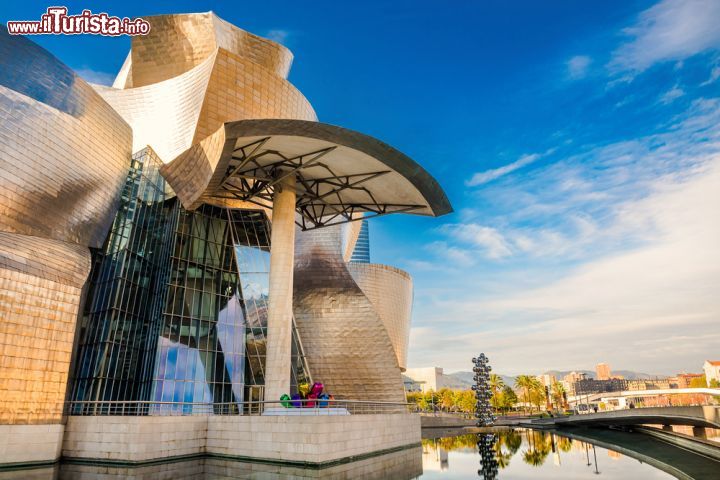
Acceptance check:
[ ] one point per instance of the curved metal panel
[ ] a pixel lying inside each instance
(390, 290)
(387, 156)
(64, 152)
(345, 341)
(179, 42)
(40, 288)
(338, 176)
(164, 115)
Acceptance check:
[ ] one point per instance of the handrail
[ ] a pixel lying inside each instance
(252, 407)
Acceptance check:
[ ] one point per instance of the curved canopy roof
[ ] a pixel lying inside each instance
(339, 172)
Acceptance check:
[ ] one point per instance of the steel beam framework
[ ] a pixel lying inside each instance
(254, 171)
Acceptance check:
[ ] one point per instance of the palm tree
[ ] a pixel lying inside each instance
(558, 394)
(525, 383)
(496, 387)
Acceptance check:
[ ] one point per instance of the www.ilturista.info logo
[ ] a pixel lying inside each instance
(57, 22)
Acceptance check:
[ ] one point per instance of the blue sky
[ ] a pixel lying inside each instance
(578, 142)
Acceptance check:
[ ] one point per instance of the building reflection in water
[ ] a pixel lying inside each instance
(404, 464)
(497, 450)
(434, 456)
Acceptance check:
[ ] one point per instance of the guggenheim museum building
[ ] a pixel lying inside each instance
(186, 244)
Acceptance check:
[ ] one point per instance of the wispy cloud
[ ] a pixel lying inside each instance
(613, 246)
(714, 75)
(278, 35)
(97, 77)
(671, 95)
(623, 301)
(489, 240)
(481, 178)
(454, 254)
(669, 30)
(577, 66)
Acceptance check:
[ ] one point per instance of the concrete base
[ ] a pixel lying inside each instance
(30, 444)
(294, 440)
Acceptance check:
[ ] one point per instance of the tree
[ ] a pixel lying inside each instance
(714, 383)
(525, 384)
(699, 382)
(506, 399)
(466, 401)
(558, 394)
(447, 399)
(537, 393)
(496, 382)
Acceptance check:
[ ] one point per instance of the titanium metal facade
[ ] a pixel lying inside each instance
(64, 155)
(132, 212)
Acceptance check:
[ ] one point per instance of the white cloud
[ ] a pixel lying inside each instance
(94, 76)
(577, 66)
(455, 255)
(621, 308)
(669, 30)
(488, 239)
(278, 35)
(714, 75)
(606, 255)
(481, 178)
(671, 95)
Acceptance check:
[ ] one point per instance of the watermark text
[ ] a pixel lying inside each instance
(56, 21)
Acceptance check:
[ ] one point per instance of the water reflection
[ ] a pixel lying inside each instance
(402, 465)
(526, 454)
(522, 454)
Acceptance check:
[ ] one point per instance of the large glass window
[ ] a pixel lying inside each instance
(177, 306)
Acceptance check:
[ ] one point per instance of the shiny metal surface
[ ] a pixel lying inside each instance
(192, 89)
(341, 173)
(346, 344)
(64, 154)
(390, 290)
(40, 287)
(194, 72)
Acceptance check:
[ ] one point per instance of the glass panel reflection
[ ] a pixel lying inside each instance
(177, 305)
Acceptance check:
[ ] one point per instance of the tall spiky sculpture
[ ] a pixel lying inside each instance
(483, 410)
(485, 417)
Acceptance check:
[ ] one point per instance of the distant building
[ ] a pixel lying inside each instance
(648, 384)
(547, 380)
(602, 371)
(573, 377)
(712, 370)
(682, 380)
(590, 385)
(424, 379)
(570, 379)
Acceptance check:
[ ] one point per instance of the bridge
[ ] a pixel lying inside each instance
(701, 416)
(596, 397)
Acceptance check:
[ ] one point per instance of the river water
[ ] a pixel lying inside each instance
(514, 455)
(527, 454)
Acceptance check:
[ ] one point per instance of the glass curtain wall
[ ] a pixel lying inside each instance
(211, 348)
(119, 324)
(176, 311)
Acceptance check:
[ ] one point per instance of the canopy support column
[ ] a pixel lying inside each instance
(280, 302)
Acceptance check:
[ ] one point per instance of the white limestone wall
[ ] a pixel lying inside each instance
(134, 439)
(310, 439)
(289, 438)
(30, 443)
